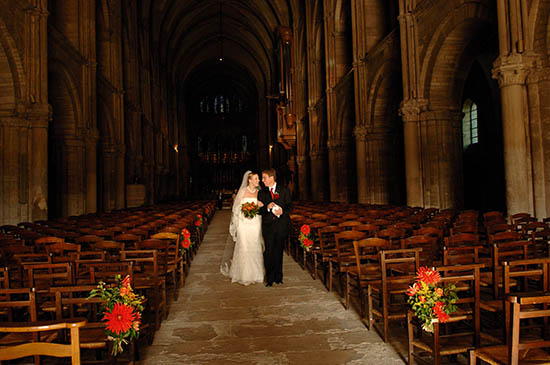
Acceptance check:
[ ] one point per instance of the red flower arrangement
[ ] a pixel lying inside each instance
(121, 311)
(198, 221)
(185, 239)
(306, 237)
(250, 210)
(430, 299)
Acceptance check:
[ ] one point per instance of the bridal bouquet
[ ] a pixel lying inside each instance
(430, 299)
(121, 311)
(250, 210)
(306, 237)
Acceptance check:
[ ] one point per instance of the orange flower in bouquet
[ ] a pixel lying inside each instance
(306, 237)
(121, 311)
(430, 299)
(250, 210)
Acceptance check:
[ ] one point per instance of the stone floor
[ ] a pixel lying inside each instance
(299, 322)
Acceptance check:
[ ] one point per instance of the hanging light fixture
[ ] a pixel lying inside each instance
(220, 40)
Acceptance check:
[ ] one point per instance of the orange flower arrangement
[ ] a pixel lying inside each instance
(121, 311)
(430, 299)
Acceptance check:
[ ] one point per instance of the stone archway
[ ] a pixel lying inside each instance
(383, 138)
(450, 53)
(66, 149)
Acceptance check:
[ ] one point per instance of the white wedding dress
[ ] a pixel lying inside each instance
(247, 265)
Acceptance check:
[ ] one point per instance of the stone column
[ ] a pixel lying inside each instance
(379, 161)
(360, 133)
(511, 72)
(318, 160)
(39, 170)
(304, 188)
(441, 151)
(338, 171)
(91, 173)
(120, 198)
(73, 198)
(109, 181)
(410, 112)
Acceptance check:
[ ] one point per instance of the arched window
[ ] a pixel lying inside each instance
(469, 124)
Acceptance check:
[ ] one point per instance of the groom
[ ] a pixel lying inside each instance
(275, 225)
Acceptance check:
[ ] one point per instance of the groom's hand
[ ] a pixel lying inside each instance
(270, 205)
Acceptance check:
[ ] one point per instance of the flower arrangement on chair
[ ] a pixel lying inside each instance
(430, 299)
(121, 311)
(250, 210)
(185, 239)
(306, 237)
(198, 221)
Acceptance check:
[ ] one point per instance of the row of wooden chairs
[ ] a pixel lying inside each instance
(57, 283)
(486, 266)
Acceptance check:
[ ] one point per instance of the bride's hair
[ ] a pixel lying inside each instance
(251, 174)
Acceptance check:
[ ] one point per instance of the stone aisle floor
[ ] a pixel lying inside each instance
(299, 322)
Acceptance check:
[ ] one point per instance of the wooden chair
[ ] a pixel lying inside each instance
(531, 350)
(462, 330)
(34, 348)
(327, 246)
(344, 259)
(369, 229)
(387, 298)
(429, 253)
(367, 263)
(519, 276)
(170, 262)
(348, 225)
(148, 279)
(71, 301)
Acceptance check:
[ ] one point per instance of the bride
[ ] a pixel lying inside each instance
(247, 263)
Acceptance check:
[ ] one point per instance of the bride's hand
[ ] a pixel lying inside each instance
(260, 204)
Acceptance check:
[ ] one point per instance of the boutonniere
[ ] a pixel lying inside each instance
(275, 195)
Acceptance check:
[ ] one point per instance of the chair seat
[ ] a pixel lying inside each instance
(499, 355)
(448, 346)
(93, 337)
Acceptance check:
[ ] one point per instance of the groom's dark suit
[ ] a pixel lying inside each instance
(275, 231)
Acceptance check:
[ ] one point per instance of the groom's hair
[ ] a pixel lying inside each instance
(270, 172)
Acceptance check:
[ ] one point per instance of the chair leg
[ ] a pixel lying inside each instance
(347, 290)
(385, 312)
(369, 304)
(473, 357)
(329, 276)
(410, 337)
(361, 300)
(315, 273)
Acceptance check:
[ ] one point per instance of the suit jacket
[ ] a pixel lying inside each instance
(282, 198)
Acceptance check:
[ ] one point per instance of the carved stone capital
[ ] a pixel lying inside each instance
(336, 144)
(411, 109)
(301, 160)
(513, 69)
(360, 132)
(317, 155)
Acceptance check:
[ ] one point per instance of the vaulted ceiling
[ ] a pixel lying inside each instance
(191, 36)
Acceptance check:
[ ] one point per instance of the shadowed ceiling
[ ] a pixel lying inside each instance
(191, 35)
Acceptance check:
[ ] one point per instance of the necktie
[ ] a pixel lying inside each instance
(271, 191)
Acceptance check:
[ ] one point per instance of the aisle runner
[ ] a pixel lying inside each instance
(299, 322)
